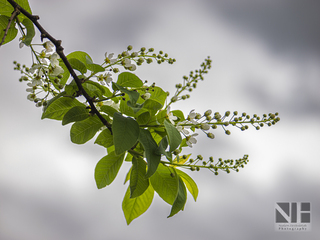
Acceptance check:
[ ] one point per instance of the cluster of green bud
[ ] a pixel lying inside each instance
(242, 122)
(190, 82)
(214, 166)
(161, 57)
(138, 57)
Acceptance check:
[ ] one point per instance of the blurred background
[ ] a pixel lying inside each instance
(265, 58)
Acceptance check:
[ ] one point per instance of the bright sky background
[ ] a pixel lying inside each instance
(265, 57)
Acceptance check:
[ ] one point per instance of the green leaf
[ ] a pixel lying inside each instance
(108, 93)
(163, 145)
(127, 178)
(59, 107)
(174, 136)
(93, 89)
(143, 118)
(107, 169)
(134, 207)
(125, 109)
(178, 114)
(53, 99)
(165, 183)
(108, 110)
(81, 56)
(191, 185)
(152, 105)
(65, 74)
(77, 65)
(136, 107)
(12, 32)
(138, 182)
(110, 149)
(75, 114)
(83, 131)
(30, 31)
(129, 158)
(158, 95)
(161, 116)
(105, 139)
(95, 68)
(125, 132)
(181, 160)
(7, 9)
(133, 95)
(151, 151)
(127, 79)
(72, 88)
(180, 200)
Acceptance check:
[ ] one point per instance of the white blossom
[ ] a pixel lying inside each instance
(182, 129)
(147, 95)
(109, 58)
(37, 81)
(31, 97)
(48, 45)
(56, 68)
(191, 140)
(54, 59)
(191, 117)
(21, 44)
(170, 116)
(129, 65)
(107, 78)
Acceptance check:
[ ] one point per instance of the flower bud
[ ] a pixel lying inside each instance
(176, 152)
(198, 116)
(174, 99)
(210, 135)
(208, 112)
(205, 126)
(214, 126)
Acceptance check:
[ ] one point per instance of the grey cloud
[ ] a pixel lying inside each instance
(286, 26)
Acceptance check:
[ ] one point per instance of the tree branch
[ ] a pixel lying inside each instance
(59, 50)
(13, 15)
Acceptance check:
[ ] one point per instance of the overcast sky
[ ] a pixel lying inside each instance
(265, 58)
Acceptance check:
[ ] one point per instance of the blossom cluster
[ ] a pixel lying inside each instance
(46, 72)
(44, 75)
(129, 60)
(209, 121)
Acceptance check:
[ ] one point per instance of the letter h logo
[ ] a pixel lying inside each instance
(293, 212)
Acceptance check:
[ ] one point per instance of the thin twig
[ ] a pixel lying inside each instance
(13, 15)
(59, 50)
